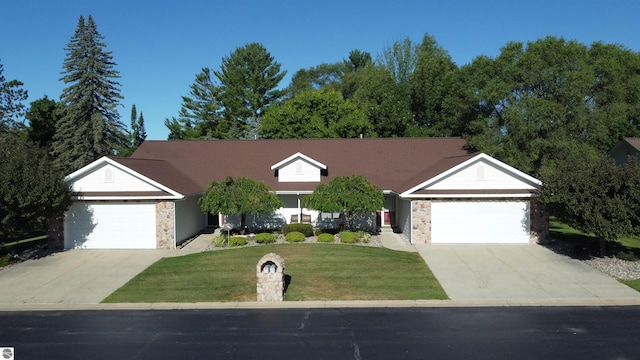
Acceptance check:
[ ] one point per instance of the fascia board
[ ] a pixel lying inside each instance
(121, 198)
(468, 196)
(527, 178)
(301, 156)
(87, 169)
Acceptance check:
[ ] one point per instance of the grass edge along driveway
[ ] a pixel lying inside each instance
(318, 272)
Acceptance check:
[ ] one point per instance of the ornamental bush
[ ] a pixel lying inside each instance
(237, 241)
(349, 237)
(220, 241)
(326, 238)
(265, 238)
(295, 236)
(364, 236)
(306, 229)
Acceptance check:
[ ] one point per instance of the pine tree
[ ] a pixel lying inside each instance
(249, 78)
(139, 132)
(11, 97)
(90, 127)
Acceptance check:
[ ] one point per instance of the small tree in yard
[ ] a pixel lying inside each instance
(348, 195)
(595, 196)
(240, 196)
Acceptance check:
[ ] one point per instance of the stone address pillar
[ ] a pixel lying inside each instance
(270, 278)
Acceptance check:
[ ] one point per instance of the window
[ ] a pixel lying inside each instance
(480, 173)
(108, 175)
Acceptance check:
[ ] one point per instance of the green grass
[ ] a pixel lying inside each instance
(627, 247)
(634, 284)
(318, 272)
(564, 232)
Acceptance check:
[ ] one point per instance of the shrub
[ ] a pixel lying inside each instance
(295, 236)
(237, 241)
(349, 237)
(364, 236)
(220, 241)
(265, 238)
(306, 229)
(326, 238)
(627, 255)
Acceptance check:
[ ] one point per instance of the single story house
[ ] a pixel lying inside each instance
(628, 147)
(435, 191)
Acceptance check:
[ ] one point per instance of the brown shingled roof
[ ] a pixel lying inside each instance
(390, 163)
(634, 141)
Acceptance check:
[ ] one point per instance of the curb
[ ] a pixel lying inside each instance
(326, 304)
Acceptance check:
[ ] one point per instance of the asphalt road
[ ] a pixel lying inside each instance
(424, 333)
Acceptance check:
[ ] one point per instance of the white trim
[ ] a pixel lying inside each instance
(479, 157)
(288, 192)
(301, 156)
(458, 196)
(123, 198)
(88, 168)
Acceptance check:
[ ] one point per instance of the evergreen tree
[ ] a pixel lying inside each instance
(137, 135)
(248, 80)
(199, 116)
(11, 97)
(43, 115)
(90, 127)
(139, 132)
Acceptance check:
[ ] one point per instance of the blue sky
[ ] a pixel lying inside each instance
(160, 45)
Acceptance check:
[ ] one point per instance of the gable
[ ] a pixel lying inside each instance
(625, 149)
(299, 168)
(108, 178)
(479, 176)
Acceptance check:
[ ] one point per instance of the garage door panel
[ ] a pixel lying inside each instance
(481, 222)
(111, 226)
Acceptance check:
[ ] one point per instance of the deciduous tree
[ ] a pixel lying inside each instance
(90, 127)
(32, 191)
(315, 114)
(348, 195)
(592, 194)
(239, 196)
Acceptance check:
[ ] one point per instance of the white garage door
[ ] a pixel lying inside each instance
(480, 222)
(110, 226)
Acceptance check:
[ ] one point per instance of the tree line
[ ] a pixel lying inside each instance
(538, 106)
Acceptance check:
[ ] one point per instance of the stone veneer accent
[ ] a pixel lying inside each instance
(421, 222)
(165, 225)
(270, 278)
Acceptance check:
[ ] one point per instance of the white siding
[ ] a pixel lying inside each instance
(190, 219)
(480, 222)
(108, 178)
(299, 170)
(480, 176)
(403, 217)
(110, 226)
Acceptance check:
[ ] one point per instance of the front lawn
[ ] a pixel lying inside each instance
(589, 243)
(318, 272)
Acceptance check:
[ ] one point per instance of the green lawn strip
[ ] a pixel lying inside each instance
(318, 272)
(564, 232)
(634, 284)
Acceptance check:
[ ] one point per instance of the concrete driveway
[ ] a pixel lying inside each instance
(73, 276)
(521, 273)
